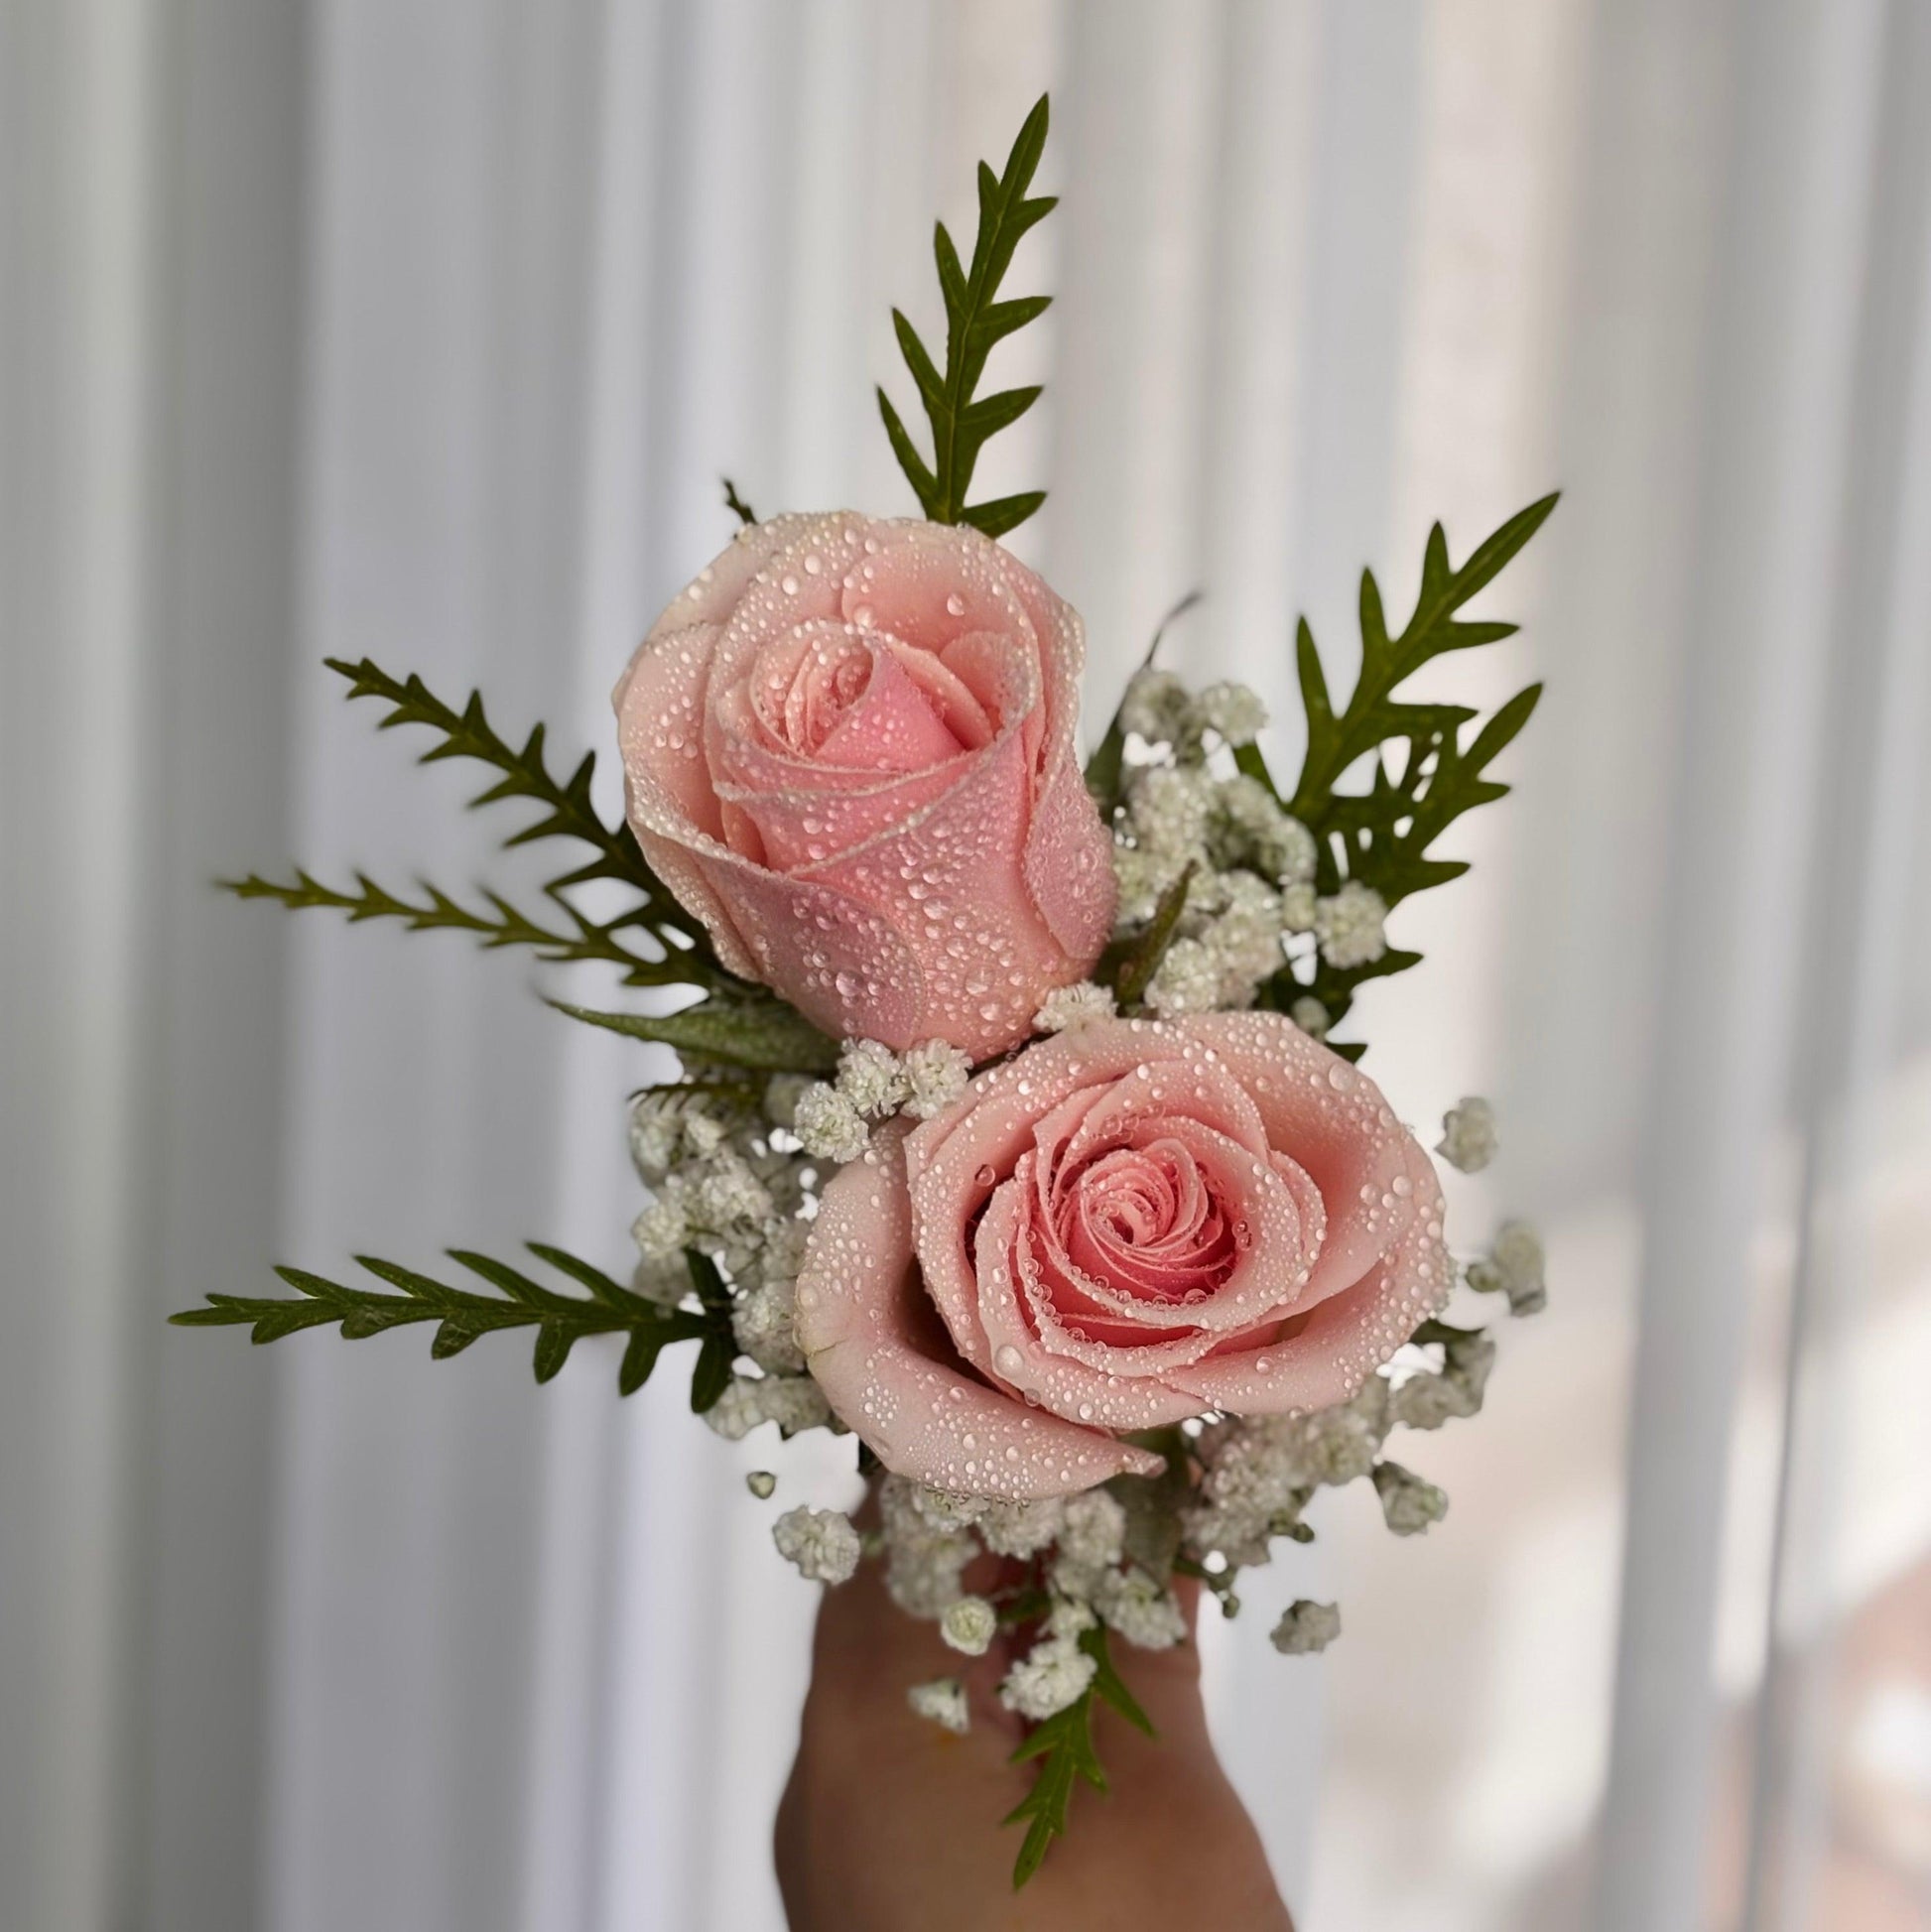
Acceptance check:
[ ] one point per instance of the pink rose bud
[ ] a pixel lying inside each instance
(1127, 1224)
(849, 748)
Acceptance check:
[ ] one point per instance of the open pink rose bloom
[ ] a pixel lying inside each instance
(849, 749)
(1122, 1226)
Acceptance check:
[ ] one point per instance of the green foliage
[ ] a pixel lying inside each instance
(736, 505)
(566, 808)
(961, 421)
(1383, 836)
(679, 951)
(462, 1315)
(1128, 965)
(753, 1031)
(1063, 1745)
(568, 940)
(1104, 767)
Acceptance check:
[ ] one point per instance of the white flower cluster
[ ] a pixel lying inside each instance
(1160, 709)
(1079, 1004)
(1513, 1266)
(1469, 1141)
(830, 1120)
(728, 1185)
(1250, 865)
(1260, 1473)
(820, 1542)
(1079, 1544)
(942, 1702)
(1306, 1626)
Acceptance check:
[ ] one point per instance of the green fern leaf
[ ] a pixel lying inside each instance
(962, 421)
(463, 1315)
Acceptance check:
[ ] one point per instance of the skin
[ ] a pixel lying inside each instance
(890, 1824)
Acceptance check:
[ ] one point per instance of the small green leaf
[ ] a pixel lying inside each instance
(1107, 1683)
(961, 422)
(1422, 777)
(759, 1032)
(713, 1374)
(462, 1315)
(639, 1359)
(553, 1350)
(1141, 956)
(1063, 1745)
(736, 505)
(1003, 514)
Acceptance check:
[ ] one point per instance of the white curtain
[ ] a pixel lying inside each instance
(424, 330)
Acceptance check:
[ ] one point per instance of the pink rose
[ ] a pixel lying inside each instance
(1127, 1224)
(849, 749)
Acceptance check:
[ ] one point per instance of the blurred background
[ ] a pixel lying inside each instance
(425, 328)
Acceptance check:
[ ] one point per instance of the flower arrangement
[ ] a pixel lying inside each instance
(1012, 1137)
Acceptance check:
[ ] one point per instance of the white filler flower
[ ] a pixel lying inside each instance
(1305, 1626)
(820, 1542)
(942, 1702)
(1469, 1139)
(970, 1625)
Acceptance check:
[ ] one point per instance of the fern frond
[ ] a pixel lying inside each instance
(961, 420)
(464, 1315)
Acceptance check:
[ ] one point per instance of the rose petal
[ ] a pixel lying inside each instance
(1332, 1349)
(858, 1323)
(1336, 1125)
(1064, 1382)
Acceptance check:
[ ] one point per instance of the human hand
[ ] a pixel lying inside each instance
(890, 1824)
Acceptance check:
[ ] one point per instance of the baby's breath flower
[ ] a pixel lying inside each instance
(1304, 1627)
(1513, 1266)
(761, 1483)
(663, 1229)
(781, 1250)
(1044, 1683)
(1299, 907)
(1140, 1609)
(1079, 1004)
(942, 1702)
(1428, 1400)
(970, 1625)
(1469, 1135)
(704, 1133)
(1232, 710)
(1287, 851)
(1350, 926)
(762, 1325)
(827, 1125)
(1408, 1503)
(822, 1543)
(870, 1078)
(1092, 1529)
(1188, 981)
(1471, 1357)
(793, 1402)
(1309, 1016)
(936, 1073)
(924, 1557)
(656, 1134)
(1069, 1617)
(1155, 706)
(1167, 807)
(727, 1194)
(1021, 1529)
